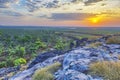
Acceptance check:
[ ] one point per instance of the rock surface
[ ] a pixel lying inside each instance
(43, 56)
(75, 63)
(27, 73)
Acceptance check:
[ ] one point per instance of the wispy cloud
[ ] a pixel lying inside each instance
(11, 13)
(71, 16)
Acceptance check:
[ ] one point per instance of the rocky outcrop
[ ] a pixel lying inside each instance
(75, 63)
(25, 75)
(4, 71)
(44, 56)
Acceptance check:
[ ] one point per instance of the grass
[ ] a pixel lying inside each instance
(95, 45)
(107, 70)
(93, 37)
(113, 40)
(47, 72)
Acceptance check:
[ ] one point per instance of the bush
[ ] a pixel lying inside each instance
(46, 73)
(39, 44)
(107, 70)
(113, 40)
(59, 45)
(20, 51)
(2, 64)
(19, 61)
(10, 61)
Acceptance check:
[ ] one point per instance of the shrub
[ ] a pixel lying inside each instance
(107, 70)
(21, 51)
(113, 40)
(11, 51)
(46, 73)
(19, 61)
(9, 61)
(59, 45)
(2, 64)
(39, 44)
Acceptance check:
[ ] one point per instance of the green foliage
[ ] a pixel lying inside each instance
(9, 61)
(59, 45)
(46, 73)
(20, 51)
(107, 70)
(26, 43)
(1, 50)
(11, 51)
(19, 61)
(2, 64)
(39, 44)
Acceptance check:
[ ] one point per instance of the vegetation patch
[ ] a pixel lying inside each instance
(19, 61)
(113, 40)
(27, 43)
(47, 72)
(95, 45)
(93, 37)
(107, 70)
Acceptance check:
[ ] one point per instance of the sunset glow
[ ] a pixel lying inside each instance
(94, 20)
(60, 13)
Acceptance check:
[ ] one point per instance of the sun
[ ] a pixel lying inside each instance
(94, 20)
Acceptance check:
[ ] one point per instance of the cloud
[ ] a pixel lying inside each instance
(3, 6)
(3, 3)
(11, 13)
(7, 3)
(43, 16)
(70, 16)
(88, 2)
(32, 5)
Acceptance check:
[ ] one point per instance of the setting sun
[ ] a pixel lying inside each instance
(94, 20)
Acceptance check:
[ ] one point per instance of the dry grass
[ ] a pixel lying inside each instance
(95, 45)
(46, 73)
(119, 56)
(113, 40)
(94, 37)
(107, 70)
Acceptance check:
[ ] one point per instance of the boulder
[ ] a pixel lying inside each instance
(73, 56)
(44, 56)
(81, 65)
(74, 75)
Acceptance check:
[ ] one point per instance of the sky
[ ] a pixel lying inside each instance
(82, 13)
